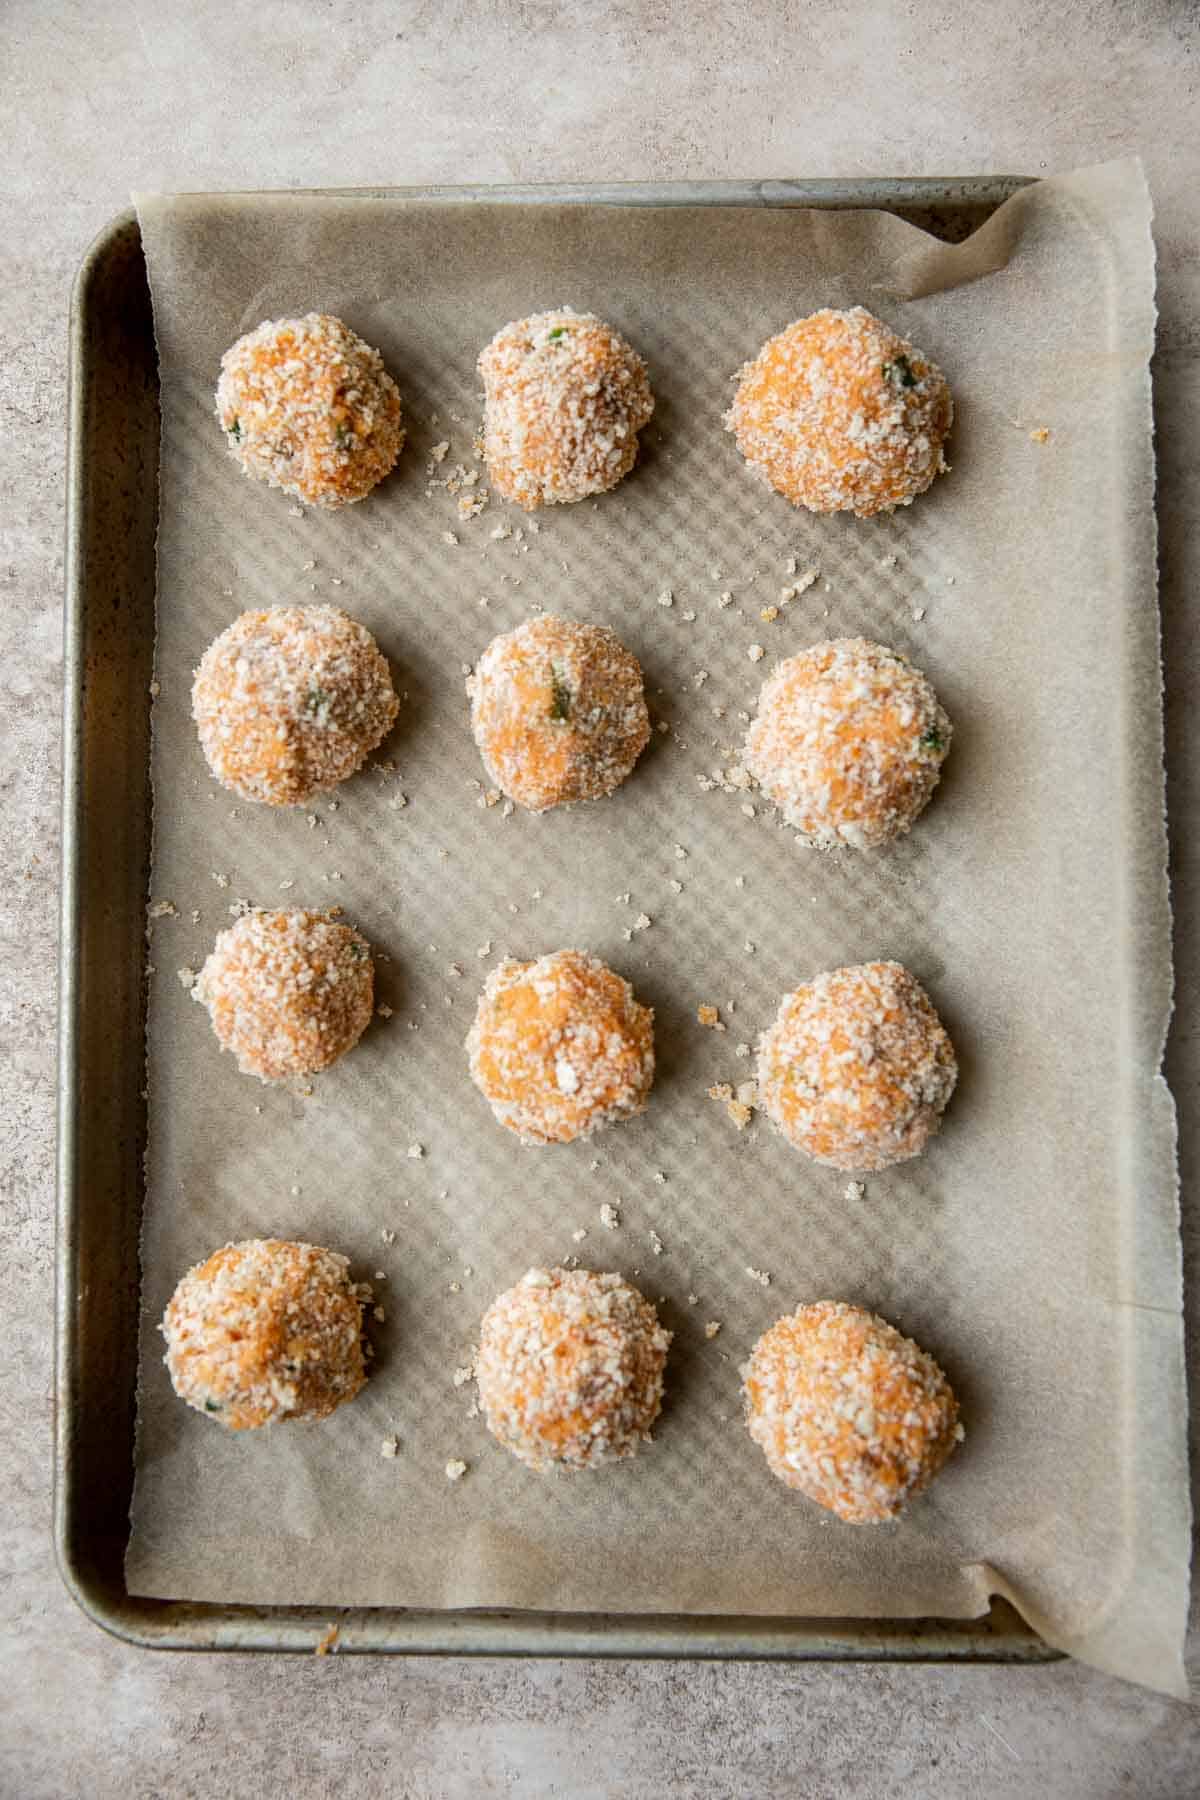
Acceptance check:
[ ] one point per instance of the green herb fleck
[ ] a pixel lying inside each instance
(899, 372)
(559, 331)
(357, 951)
(235, 431)
(211, 1406)
(315, 699)
(560, 694)
(932, 740)
(343, 435)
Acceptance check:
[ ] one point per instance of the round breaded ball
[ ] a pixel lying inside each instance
(560, 1046)
(849, 742)
(839, 414)
(558, 711)
(570, 1369)
(290, 701)
(857, 1068)
(288, 992)
(848, 1411)
(308, 407)
(564, 399)
(266, 1330)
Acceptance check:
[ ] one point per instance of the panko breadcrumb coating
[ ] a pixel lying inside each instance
(564, 399)
(307, 406)
(560, 1046)
(841, 415)
(849, 742)
(570, 1369)
(290, 701)
(288, 992)
(857, 1067)
(266, 1330)
(558, 711)
(848, 1411)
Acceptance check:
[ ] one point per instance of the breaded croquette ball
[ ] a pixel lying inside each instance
(558, 712)
(560, 1046)
(848, 1411)
(290, 701)
(266, 1330)
(857, 1068)
(841, 415)
(564, 399)
(287, 992)
(570, 1369)
(849, 742)
(307, 406)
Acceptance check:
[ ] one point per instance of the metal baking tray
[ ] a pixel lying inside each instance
(112, 512)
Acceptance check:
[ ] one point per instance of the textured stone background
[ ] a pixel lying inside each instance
(96, 100)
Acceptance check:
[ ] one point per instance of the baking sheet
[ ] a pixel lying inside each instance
(1033, 1248)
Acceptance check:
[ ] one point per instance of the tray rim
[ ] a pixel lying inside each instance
(1000, 1635)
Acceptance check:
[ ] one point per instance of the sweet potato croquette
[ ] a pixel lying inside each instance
(287, 992)
(848, 1411)
(558, 712)
(564, 399)
(266, 1330)
(570, 1369)
(849, 742)
(308, 407)
(290, 701)
(840, 415)
(857, 1068)
(560, 1046)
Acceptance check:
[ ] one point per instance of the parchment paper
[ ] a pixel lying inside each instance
(1033, 1249)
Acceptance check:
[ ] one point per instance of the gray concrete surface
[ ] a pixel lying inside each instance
(95, 101)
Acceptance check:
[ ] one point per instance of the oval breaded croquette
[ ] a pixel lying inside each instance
(560, 1046)
(849, 742)
(308, 407)
(288, 992)
(570, 1369)
(849, 1412)
(290, 701)
(839, 414)
(266, 1330)
(857, 1068)
(564, 399)
(558, 712)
